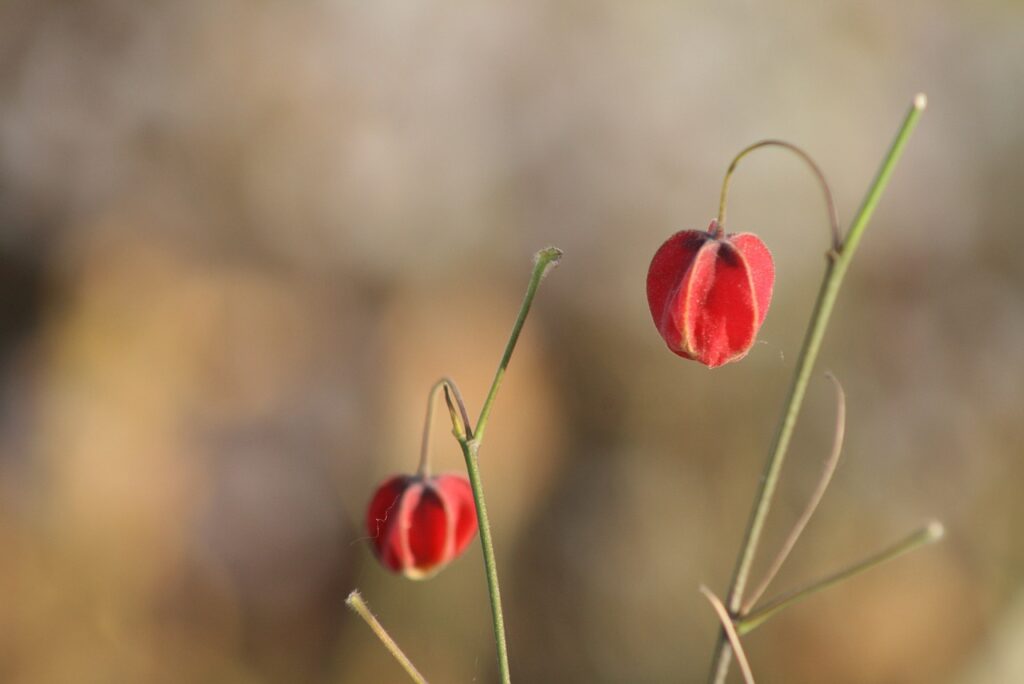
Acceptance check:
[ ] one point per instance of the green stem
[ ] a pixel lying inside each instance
(833, 215)
(469, 451)
(542, 261)
(867, 208)
(839, 261)
(930, 533)
(358, 606)
(470, 444)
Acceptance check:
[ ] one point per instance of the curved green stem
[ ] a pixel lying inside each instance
(838, 263)
(833, 215)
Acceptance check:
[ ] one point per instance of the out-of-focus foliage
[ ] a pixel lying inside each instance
(239, 241)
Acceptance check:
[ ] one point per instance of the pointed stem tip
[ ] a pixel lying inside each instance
(935, 531)
(920, 101)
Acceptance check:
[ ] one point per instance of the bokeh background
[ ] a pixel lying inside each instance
(239, 241)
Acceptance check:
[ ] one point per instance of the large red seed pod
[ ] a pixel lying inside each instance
(417, 525)
(709, 293)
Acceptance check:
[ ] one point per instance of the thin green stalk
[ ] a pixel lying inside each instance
(469, 451)
(470, 442)
(839, 261)
(359, 607)
(542, 261)
(930, 533)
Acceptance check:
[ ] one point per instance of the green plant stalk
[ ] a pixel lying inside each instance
(470, 444)
(541, 262)
(838, 263)
(359, 607)
(469, 451)
(929, 534)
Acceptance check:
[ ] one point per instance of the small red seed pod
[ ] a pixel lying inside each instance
(417, 525)
(709, 293)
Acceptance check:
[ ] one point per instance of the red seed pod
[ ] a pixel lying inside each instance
(417, 525)
(709, 293)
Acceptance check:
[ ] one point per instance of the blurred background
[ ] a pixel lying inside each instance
(240, 240)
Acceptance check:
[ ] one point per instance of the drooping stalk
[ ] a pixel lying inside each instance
(443, 384)
(830, 203)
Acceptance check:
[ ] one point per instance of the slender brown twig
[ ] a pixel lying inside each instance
(358, 605)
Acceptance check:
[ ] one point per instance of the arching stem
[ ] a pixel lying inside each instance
(833, 215)
(444, 383)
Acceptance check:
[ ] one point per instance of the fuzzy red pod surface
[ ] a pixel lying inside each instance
(417, 525)
(709, 293)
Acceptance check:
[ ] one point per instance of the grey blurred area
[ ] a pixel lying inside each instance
(240, 240)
